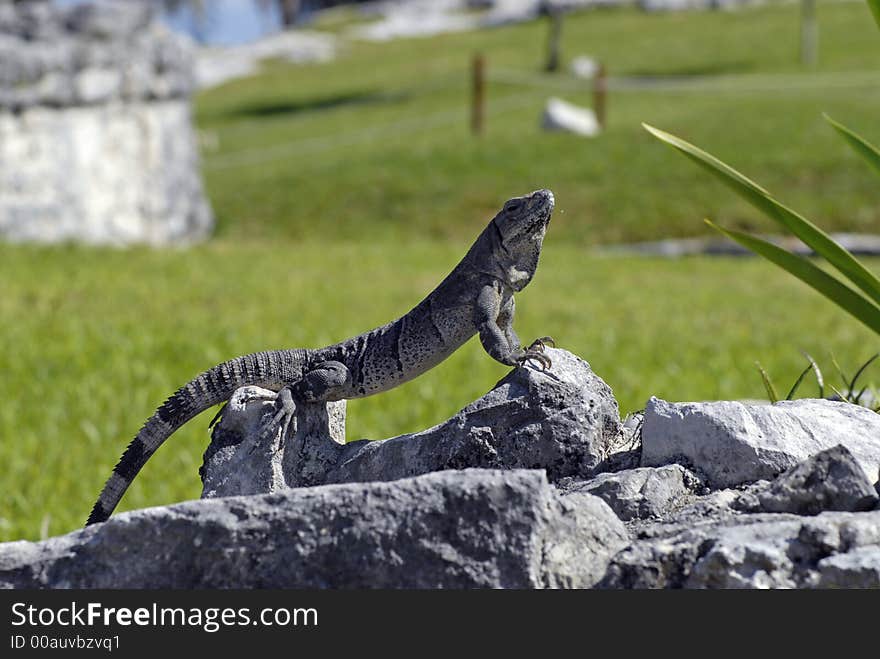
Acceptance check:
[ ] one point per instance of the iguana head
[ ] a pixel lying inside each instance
(519, 232)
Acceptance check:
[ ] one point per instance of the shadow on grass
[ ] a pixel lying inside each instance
(279, 107)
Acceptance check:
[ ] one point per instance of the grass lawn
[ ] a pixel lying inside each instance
(346, 191)
(96, 348)
(377, 143)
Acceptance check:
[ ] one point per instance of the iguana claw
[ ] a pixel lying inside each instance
(286, 410)
(542, 343)
(535, 352)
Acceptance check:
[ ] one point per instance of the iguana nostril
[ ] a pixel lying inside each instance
(542, 196)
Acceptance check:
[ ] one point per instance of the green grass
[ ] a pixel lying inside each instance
(345, 192)
(93, 350)
(377, 143)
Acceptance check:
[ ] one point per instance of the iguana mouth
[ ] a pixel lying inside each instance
(539, 207)
(543, 197)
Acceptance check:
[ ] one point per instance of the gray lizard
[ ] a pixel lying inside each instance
(475, 298)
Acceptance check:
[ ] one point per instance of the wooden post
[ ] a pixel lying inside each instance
(809, 33)
(553, 40)
(600, 90)
(478, 97)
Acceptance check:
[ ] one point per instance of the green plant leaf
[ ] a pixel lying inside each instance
(839, 370)
(842, 295)
(852, 385)
(808, 232)
(797, 383)
(859, 144)
(875, 9)
(772, 396)
(820, 380)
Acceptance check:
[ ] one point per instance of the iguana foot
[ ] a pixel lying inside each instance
(285, 411)
(535, 352)
(543, 342)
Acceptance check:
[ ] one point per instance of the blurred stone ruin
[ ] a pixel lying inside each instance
(96, 139)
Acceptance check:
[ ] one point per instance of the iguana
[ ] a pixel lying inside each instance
(475, 298)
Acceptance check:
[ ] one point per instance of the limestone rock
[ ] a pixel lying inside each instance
(829, 480)
(562, 116)
(859, 568)
(584, 67)
(216, 65)
(753, 551)
(109, 174)
(640, 493)
(467, 529)
(564, 420)
(96, 139)
(249, 456)
(730, 443)
(45, 48)
(590, 534)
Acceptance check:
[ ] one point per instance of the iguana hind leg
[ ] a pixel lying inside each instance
(325, 382)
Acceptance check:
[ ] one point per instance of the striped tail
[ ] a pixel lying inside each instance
(267, 369)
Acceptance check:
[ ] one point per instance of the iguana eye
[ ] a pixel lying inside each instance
(513, 206)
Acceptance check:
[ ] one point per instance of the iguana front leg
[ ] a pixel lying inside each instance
(494, 321)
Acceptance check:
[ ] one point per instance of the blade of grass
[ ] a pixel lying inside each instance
(768, 385)
(808, 232)
(820, 380)
(842, 295)
(797, 383)
(840, 372)
(852, 385)
(840, 395)
(859, 144)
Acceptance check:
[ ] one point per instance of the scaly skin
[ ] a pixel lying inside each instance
(475, 298)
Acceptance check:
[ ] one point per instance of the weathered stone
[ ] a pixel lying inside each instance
(583, 66)
(96, 140)
(414, 18)
(564, 420)
(134, 58)
(641, 493)
(247, 455)
(110, 174)
(749, 551)
(562, 116)
(828, 480)
(590, 534)
(463, 529)
(731, 443)
(218, 64)
(859, 568)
